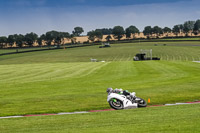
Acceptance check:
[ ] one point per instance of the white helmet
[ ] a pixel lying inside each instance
(109, 90)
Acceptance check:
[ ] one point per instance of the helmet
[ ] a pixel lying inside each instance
(109, 90)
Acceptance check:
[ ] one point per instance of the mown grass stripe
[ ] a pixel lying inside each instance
(92, 111)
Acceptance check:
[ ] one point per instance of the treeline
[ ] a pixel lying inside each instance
(118, 32)
(57, 38)
(48, 38)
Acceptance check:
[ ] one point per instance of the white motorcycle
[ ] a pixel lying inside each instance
(118, 101)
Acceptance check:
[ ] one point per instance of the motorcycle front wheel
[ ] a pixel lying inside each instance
(141, 102)
(116, 104)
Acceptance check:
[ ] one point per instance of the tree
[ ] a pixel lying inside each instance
(188, 26)
(157, 30)
(11, 40)
(167, 30)
(65, 35)
(131, 30)
(176, 29)
(95, 34)
(181, 27)
(77, 31)
(118, 32)
(30, 38)
(196, 29)
(59, 37)
(3, 41)
(108, 38)
(41, 39)
(98, 34)
(91, 35)
(147, 31)
(50, 36)
(73, 39)
(105, 31)
(20, 40)
(56, 36)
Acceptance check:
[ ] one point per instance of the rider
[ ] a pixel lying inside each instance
(119, 91)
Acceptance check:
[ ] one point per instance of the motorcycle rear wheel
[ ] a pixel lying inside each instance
(116, 104)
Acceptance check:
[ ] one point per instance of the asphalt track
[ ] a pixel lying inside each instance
(83, 112)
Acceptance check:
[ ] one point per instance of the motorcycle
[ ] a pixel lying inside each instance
(118, 101)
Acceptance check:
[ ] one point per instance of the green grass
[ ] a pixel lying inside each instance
(21, 49)
(171, 119)
(2, 51)
(12, 50)
(177, 39)
(184, 51)
(196, 39)
(57, 87)
(66, 81)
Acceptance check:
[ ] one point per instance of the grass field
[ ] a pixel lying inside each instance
(21, 49)
(178, 39)
(196, 39)
(172, 119)
(66, 81)
(57, 87)
(184, 51)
